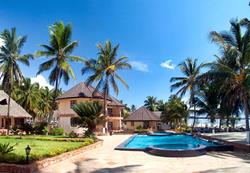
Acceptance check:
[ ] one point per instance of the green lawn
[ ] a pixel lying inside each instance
(40, 147)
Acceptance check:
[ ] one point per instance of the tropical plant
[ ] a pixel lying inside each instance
(175, 112)
(6, 148)
(104, 70)
(190, 82)
(57, 131)
(59, 53)
(45, 103)
(208, 102)
(232, 68)
(28, 96)
(161, 105)
(125, 111)
(133, 108)
(34, 99)
(10, 57)
(90, 114)
(151, 103)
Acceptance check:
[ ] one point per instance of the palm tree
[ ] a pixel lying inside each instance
(208, 101)
(89, 114)
(174, 112)
(189, 82)
(59, 53)
(234, 45)
(104, 70)
(133, 108)
(44, 104)
(161, 105)
(10, 57)
(28, 96)
(151, 103)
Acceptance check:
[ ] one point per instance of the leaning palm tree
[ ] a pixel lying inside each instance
(10, 57)
(59, 53)
(189, 82)
(104, 70)
(235, 48)
(151, 103)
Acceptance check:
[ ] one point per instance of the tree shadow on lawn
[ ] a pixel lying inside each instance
(245, 157)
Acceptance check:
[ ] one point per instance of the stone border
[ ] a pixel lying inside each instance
(36, 165)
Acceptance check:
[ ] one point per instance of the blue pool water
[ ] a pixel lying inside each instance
(162, 133)
(167, 142)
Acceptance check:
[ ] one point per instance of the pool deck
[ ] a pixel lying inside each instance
(107, 160)
(238, 139)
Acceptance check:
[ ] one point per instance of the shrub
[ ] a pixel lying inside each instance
(141, 130)
(139, 127)
(27, 127)
(73, 135)
(45, 130)
(6, 148)
(57, 131)
(39, 127)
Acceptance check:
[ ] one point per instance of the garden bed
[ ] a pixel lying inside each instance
(41, 147)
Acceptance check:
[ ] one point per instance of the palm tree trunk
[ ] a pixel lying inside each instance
(105, 108)
(192, 105)
(246, 111)
(194, 118)
(220, 123)
(8, 116)
(55, 94)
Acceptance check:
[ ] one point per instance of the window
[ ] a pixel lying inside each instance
(132, 124)
(72, 103)
(19, 122)
(74, 121)
(109, 111)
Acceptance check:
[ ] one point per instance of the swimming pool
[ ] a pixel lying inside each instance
(171, 145)
(144, 141)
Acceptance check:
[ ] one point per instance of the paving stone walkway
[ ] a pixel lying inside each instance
(107, 160)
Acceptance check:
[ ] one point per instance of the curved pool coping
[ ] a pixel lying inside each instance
(198, 151)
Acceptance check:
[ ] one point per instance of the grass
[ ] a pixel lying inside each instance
(40, 147)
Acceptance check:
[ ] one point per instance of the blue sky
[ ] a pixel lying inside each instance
(150, 32)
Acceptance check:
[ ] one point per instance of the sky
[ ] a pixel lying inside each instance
(156, 35)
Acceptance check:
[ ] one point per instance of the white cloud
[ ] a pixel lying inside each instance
(140, 66)
(42, 81)
(168, 64)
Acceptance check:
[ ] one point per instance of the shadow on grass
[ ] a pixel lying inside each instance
(245, 157)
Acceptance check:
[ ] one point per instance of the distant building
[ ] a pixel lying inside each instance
(144, 118)
(85, 93)
(18, 115)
